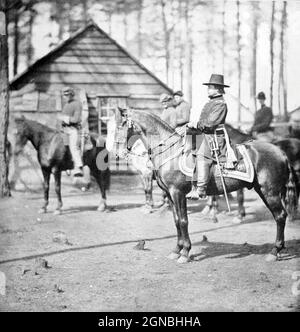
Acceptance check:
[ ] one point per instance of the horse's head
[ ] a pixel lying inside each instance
(127, 132)
(20, 134)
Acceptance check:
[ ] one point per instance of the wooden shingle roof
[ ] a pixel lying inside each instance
(91, 60)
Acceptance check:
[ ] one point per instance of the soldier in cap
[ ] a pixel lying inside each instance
(71, 122)
(212, 115)
(168, 114)
(182, 110)
(261, 128)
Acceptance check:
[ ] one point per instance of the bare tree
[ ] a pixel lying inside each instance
(272, 38)
(239, 60)
(139, 32)
(30, 51)
(16, 42)
(282, 67)
(223, 36)
(4, 108)
(166, 37)
(254, 29)
(188, 53)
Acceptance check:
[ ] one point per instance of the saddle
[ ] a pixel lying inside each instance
(243, 168)
(84, 140)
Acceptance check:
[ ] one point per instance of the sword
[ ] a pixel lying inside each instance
(215, 148)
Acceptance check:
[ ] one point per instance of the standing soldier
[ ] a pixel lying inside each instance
(183, 109)
(71, 123)
(213, 114)
(168, 114)
(261, 128)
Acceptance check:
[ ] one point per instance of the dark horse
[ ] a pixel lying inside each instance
(273, 179)
(54, 157)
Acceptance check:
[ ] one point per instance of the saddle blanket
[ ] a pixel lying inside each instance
(244, 169)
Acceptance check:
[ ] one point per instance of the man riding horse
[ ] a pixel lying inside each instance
(261, 128)
(213, 114)
(71, 124)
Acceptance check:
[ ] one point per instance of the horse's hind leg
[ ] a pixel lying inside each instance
(274, 204)
(57, 178)
(46, 174)
(175, 254)
(241, 208)
(208, 206)
(102, 204)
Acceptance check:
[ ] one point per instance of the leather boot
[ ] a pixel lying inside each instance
(77, 172)
(203, 171)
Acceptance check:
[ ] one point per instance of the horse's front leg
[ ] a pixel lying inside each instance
(46, 174)
(175, 254)
(179, 201)
(57, 178)
(101, 183)
(147, 179)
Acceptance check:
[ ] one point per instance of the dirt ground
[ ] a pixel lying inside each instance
(92, 264)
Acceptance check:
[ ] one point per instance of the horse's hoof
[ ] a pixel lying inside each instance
(206, 210)
(237, 220)
(215, 220)
(173, 256)
(271, 258)
(101, 208)
(42, 210)
(57, 212)
(183, 260)
(147, 209)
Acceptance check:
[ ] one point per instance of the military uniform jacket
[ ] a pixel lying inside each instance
(73, 109)
(213, 114)
(263, 119)
(169, 116)
(182, 113)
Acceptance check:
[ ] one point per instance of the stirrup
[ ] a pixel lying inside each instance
(194, 194)
(77, 173)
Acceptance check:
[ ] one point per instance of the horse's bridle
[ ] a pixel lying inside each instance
(122, 136)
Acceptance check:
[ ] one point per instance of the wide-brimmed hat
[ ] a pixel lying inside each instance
(261, 95)
(164, 98)
(68, 91)
(217, 79)
(178, 93)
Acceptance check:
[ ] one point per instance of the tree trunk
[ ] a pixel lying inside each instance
(29, 52)
(223, 36)
(166, 38)
(272, 38)
(239, 62)
(16, 42)
(139, 34)
(254, 29)
(4, 108)
(125, 22)
(282, 70)
(85, 11)
(59, 11)
(188, 54)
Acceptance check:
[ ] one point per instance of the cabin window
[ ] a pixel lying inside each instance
(106, 109)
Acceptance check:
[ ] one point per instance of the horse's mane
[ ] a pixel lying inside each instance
(39, 126)
(153, 120)
(238, 131)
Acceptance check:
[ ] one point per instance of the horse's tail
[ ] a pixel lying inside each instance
(292, 194)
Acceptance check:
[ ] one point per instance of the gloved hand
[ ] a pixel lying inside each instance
(64, 118)
(192, 124)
